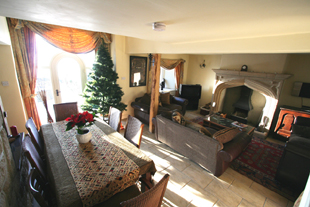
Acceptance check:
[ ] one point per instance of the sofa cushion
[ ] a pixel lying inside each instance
(172, 107)
(145, 99)
(178, 118)
(300, 130)
(165, 98)
(198, 128)
(226, 135)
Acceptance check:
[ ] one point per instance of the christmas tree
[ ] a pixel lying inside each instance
(101, 90)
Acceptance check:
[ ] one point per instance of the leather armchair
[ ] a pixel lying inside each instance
(142, 109)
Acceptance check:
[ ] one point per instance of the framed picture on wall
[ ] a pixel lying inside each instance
(138, 67)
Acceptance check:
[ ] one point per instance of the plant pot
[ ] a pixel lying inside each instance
(85, 137)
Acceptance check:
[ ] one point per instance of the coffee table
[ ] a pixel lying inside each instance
(218, 123)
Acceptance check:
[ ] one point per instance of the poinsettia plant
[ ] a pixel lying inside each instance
(81, 120)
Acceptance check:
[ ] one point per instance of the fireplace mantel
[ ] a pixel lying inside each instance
(268, 84)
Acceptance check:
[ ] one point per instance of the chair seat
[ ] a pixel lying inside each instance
(128, 193)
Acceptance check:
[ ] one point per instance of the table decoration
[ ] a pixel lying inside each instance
(81, 121)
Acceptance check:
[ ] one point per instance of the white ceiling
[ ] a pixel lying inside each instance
(188, 21)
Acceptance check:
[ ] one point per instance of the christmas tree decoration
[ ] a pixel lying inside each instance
(101, 89)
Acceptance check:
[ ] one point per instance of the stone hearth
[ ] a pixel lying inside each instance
(268, 84)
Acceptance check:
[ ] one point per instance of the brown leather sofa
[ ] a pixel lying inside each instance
(202, 149)
(294, 166)
(141, 107)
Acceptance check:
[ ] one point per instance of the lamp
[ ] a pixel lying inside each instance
(159, 26)
(203, 65)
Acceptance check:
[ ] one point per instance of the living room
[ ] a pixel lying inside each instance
(260, 54)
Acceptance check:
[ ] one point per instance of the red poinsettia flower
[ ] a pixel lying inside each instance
(80, 120)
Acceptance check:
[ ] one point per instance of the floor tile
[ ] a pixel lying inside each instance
(237, 176)
(198, 196)
(160, 163)
(247, 193)
(174, 196)
(271, 203)
(270, 194)
(219, 203)
(226, 196)
(178, 162)
(245, 203)
(177, 178)
(198, 175)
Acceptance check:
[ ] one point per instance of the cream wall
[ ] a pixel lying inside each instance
(10, 95)
(121, 58)
(271, 63)
(299, 66)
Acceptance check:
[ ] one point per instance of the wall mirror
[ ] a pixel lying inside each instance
(138, 67)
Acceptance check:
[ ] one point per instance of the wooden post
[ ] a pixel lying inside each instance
(155, 90)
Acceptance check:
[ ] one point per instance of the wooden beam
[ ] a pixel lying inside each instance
(155, 90)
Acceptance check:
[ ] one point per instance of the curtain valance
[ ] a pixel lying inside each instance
(169, 64)
(68, 39)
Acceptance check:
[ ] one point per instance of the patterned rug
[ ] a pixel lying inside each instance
(259, 162)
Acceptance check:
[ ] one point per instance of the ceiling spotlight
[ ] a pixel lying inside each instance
(159, 26)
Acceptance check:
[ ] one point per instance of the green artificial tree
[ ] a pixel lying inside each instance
(101, 90)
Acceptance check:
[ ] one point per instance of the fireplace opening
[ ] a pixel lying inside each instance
(243, 104)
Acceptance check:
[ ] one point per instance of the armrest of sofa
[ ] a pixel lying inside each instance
(233, 148)
(179, 101)
(140, 106)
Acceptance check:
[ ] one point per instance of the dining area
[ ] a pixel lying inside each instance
(107, 170)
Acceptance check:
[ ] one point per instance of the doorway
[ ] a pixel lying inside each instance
(68, 78)
(61, 75)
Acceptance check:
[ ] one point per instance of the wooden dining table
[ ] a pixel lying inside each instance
(63, 180)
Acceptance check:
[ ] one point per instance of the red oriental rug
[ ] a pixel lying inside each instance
(259, 162)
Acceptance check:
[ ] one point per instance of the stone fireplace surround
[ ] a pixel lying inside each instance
(268, 84)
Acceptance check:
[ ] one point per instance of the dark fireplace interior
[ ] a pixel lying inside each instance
(243, 105)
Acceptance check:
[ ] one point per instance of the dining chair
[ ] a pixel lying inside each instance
(37, 187)
(35, 136)
(114, 119)
(33, 156)
(150, 198)
(64, 110)
(132, 196)
(133, 131)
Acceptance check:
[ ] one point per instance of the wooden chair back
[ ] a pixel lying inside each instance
(35, 136)
(64, 110)
(150, 198)
(33, 156)
(115, 118)
(36, 186)
(133, 131)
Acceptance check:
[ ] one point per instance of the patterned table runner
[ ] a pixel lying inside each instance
(99, 168)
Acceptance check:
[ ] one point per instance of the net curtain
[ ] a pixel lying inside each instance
(169, 64)
(24, 49)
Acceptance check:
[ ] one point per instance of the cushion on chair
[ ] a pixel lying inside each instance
(145, 99)
(226, 135)
(165, 98)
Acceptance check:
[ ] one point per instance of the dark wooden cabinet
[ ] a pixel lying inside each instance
(287, 117)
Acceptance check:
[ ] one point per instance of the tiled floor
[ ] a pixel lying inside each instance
(190, 185)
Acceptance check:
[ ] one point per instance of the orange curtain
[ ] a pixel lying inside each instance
(178, 65)
(178, 76)
(68, 39)
(24, 50)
